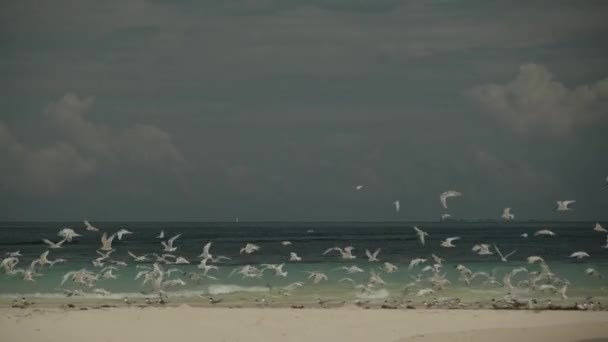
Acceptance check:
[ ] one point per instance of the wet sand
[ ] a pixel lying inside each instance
(185, 323)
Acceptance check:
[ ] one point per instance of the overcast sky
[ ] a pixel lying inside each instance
(277, 109)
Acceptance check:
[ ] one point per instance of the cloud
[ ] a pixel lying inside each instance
(40, 170)
(534, 100)
(80, 147)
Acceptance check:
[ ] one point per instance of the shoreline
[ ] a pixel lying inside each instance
(314, 324)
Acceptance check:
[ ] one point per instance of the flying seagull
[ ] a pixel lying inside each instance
(564, 205)
(444, 197)
(448, 242)
(507, 215)
(397, 205)
(421, 234)
(90, 227)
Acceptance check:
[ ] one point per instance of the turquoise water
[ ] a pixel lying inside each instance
(398, 242)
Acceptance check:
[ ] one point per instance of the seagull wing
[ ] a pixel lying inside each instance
(174, 238)
(498, 251)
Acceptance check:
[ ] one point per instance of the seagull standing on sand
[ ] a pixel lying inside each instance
(564, 205)
(447, 243)
(445, 195)
(89, 227)
(421, 234)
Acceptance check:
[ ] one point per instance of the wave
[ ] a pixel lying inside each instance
(229, 288)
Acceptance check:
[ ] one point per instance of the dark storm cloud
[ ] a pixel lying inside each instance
(276, 109)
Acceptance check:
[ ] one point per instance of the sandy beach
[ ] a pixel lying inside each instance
(221, 324)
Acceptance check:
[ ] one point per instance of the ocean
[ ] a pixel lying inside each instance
(398, 242)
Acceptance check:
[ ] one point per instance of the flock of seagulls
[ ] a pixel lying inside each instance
(428, 275)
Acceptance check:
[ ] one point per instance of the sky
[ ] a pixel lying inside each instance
(276, 109)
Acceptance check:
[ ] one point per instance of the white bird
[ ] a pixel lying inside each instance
(445, 216)
(14, 254)
(345, 253)
(598, 228)
(372, 257)
(68, 234)
(592, 272)
(437, 259)
(447, 243)
(482, 249)
(89, 227)
(249, 248)
(544, 232)
(579, 255)
(445, 195)
(277, 269)
(390, 268)
(54, 245)
(294, 257)
(415, 262)
(524, 235)
(503, 258)
(351, 269)
(169, 244)
(606, 245)
(421, 234)
(181, 260)
(205, 254)
(534, 259)
(507, 215)
(122, 232)
(286, 243)
(359, 187)
(564, 205)
(161, 235)
(138, 258)
(316, 276)
(106, 242)
(397, 205)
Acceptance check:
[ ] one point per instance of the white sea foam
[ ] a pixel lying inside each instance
(228, 288)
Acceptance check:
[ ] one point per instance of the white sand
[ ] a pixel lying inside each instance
(269, 325)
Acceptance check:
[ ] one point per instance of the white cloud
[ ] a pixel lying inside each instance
(535, 101)
(40, 170)
(79, 148)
